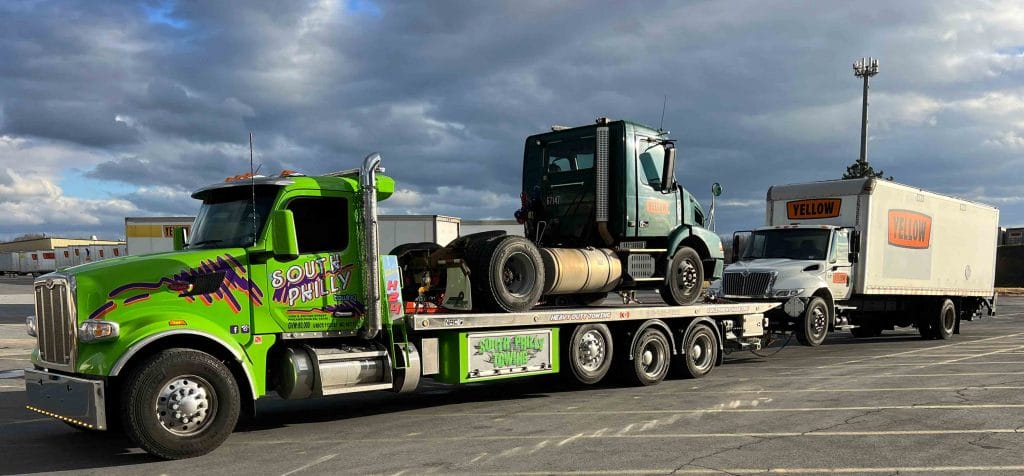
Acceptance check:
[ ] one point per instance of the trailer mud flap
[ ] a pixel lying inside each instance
(476, 356)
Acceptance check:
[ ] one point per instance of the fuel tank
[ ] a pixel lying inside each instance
(580, 270)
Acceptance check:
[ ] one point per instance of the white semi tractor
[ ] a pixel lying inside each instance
(866, 255)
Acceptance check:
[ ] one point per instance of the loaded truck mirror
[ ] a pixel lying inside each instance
(852, 257)
(668, 169)
(716, 189)
(286, 244)
(180, 238)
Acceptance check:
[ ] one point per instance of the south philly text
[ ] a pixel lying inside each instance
(313, 279)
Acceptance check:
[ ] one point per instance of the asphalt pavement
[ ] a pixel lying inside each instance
(892, 404)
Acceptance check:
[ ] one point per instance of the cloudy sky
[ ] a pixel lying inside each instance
(114, 109)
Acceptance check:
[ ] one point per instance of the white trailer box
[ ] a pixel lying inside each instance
(867, 255)
(397, 230)
(146, 235)
(511, 227)
(9, 262)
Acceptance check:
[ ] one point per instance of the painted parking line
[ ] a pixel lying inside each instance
(833, 377)
(579, 437)
(924, 349)
(6, 374)
(894, 365)
(848, 390)
(820, 470)
(725, 408)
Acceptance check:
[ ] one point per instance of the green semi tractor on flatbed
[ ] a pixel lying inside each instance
(282, 289)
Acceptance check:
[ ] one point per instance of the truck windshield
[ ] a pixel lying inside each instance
(793, 243)
(225, 219)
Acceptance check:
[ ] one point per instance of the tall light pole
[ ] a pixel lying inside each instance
(864, 68)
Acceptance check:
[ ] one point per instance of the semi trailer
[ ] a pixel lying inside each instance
(281, 289)
(866, 255)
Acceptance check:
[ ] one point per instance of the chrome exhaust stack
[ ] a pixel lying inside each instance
(371, 263)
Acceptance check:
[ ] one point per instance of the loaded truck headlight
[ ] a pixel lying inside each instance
(785, 293)
(96, 331)
(30, 322)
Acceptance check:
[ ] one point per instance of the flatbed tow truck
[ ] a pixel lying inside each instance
(282, 289)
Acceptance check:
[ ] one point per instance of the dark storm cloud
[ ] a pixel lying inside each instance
(759, 93)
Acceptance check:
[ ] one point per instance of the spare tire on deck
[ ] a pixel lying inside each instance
(507, 274)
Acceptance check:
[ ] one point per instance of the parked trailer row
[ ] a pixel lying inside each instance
(67, 256)
(27, 262)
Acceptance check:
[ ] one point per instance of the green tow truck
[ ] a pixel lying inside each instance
(281, 289)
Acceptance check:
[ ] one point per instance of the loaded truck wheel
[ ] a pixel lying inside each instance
(813, 328)
(684, 278)
(699, 352)
(651, 357)
(588, 353)
(180, 403)
(508, 274)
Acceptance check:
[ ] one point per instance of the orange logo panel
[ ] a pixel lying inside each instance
(656, 207)
(841, 278)
(909, 229)
(813, 209)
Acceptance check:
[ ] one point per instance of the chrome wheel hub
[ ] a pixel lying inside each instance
(590, 352)
(186, 405)
(686, 275)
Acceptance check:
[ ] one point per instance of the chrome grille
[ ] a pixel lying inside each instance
(751, 284)
(55, 322)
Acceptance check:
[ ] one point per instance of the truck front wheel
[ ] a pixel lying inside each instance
(684, 278)
(180, 403)
(813, 328)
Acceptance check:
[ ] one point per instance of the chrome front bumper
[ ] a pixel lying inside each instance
(75, 400)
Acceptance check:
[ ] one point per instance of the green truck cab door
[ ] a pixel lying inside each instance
(320, 289)
(568, 185)
(657, 212)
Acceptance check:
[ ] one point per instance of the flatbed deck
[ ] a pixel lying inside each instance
(568, 315)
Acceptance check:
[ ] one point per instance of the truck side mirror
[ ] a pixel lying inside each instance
(286, 244)
(854, 245)
(735, 248)
(180, 238)
(668, 169)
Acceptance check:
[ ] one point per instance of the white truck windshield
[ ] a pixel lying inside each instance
(794, 243)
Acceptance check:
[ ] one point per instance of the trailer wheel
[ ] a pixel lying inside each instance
(699, 352)
(813, 327)
(651, 357)
(944, 322)
(589, 353)
(180, 403)
(509, 274)
(684, 278)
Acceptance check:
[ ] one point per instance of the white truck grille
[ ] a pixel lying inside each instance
(747, 284)
(55, 323)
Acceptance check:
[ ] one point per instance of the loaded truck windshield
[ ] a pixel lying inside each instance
(570, 155)
(787, 243)
(225, 219)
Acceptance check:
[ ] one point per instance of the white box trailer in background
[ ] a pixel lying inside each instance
(867, 255)
(510, 227)
(147, 235)
(67, 256)
(395, 230)
(27, 262)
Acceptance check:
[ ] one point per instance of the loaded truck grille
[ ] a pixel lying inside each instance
(751, 284)
(55, 322)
